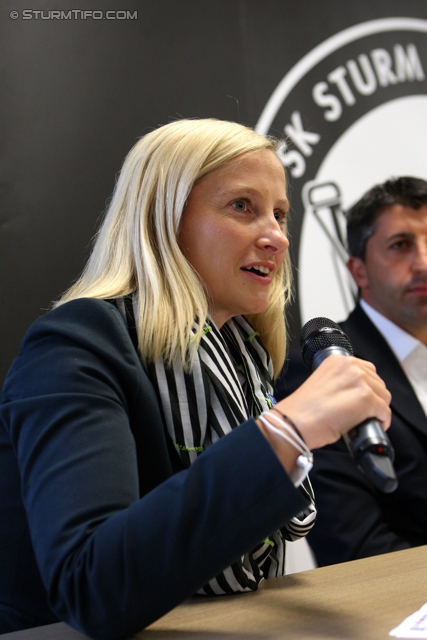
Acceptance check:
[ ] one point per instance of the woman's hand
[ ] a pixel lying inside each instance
(340, 394)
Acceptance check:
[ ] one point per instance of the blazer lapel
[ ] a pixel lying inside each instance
(369, 344)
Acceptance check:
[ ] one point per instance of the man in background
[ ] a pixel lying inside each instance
(387, 241)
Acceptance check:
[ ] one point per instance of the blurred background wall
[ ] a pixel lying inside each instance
(345, 82)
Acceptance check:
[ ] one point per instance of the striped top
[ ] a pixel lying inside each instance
(230, 381)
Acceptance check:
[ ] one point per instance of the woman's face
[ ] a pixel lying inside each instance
(233, 233)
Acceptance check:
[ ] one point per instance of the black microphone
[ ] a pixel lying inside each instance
(368, 444)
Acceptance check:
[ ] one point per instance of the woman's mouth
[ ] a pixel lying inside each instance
(259, 270)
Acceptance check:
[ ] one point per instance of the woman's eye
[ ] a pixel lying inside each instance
(240, 205)
(280, 217)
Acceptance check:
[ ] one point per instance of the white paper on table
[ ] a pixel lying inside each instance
(415, 626)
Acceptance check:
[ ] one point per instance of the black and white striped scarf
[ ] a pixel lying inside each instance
(230, 381)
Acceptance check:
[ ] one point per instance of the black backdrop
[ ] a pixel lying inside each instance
(77, 93)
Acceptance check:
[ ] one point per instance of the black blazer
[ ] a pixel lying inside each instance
(96, 528)
(354, 519)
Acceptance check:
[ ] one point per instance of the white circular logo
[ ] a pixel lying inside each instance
(354, 113)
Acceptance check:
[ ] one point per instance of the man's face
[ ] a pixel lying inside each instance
(393, 276)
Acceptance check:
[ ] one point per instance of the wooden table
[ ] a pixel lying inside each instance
(363, 599)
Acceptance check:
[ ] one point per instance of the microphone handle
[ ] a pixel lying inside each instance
(367, 443)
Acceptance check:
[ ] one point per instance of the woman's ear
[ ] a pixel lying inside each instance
(357, 268)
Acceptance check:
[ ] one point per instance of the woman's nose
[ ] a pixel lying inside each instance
(273, 237)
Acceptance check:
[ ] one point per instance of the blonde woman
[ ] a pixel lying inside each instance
(127, 486)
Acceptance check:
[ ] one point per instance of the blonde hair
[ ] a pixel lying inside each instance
(136, 249)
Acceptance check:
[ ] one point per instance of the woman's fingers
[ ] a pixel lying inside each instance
(340, 393)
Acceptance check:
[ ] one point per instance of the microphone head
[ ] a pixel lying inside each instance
(321, 333)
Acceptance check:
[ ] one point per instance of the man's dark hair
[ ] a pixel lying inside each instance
(361, 217)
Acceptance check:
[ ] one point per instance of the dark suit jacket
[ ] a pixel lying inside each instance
(81, 440)
(354, 519)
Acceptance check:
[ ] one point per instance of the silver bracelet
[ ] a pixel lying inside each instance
(290, 422)
(304, 462)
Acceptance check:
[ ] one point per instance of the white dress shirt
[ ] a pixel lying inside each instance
(410, 352)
